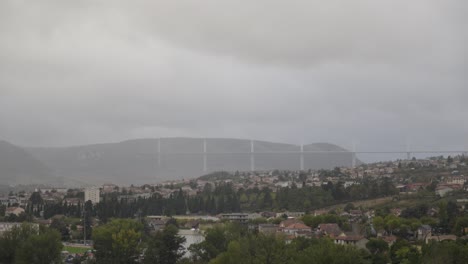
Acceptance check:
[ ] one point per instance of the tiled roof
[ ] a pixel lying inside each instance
(330, 229)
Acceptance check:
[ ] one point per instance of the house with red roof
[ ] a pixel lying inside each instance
(296, 228)
(358, 241)
(14, 210)
(331, 230)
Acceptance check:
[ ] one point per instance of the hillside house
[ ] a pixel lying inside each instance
(14, 211)
(331, 230)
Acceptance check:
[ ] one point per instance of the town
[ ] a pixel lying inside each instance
(418, 201)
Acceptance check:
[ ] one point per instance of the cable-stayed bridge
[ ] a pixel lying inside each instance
(300, 153)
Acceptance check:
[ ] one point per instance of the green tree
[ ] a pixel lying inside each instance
(2, 210)
(444, 252)
(326, 252)
(29, 244)
(266, 249)
(349, 207)
(461, 226)
(118, 241)
(60, 225)
(378, 248)
(449, 159)
(216, 241)
(379, 223)
(35, 198)
(42, 248)
(87, 214)
(165, 247)
(233, 255)
(443, 217)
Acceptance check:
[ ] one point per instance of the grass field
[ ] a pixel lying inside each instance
(76, 250)
(363, 203)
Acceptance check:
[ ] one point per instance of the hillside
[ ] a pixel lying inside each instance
(137, 162)
(17, 166)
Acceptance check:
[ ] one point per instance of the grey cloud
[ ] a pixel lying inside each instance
(310, 32)
(75, 72)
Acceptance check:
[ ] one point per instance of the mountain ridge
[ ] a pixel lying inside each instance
(18, 166)
(136, 161)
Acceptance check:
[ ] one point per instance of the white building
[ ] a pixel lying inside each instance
(5, 227)
(92, 194)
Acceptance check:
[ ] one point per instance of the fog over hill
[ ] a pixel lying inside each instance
(137, 161)
(17, 166)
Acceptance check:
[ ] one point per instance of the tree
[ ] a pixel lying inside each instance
(11, 240)
(444, 252)
(216, 241)
(379, 223)
(449, 159)
(87, 223)
(233, 255)
(29, 244)
(452, 212)
(378, 248)
(266, 249)
(118, 241)
(43, 248)
(59, 225)
(2, 210)
(461, 226)
(165, 247)
(349, 207)
(443, 217)
(35, 198)
(269, 249)
(326, 252)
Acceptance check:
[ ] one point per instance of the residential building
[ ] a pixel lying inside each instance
(4, 227)
(92, 194)
(289, 222)
(267, 228)
(290, 214)
(358, 241)
(443, 190)
(240, 217)
(296, 228)
(441, 238)
(4, 201)
(424, 232)
(73, 201)
(14, 210)
(331, 230)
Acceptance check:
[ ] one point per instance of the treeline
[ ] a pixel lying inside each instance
(124, 241)
(220, 198)
(445, 218)
(231, 243)
(223, 198)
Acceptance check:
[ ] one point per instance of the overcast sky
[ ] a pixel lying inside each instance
(380, 73)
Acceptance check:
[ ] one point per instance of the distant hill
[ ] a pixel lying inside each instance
(17, 166)
(137, 162)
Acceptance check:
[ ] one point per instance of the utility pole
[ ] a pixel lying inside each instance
(205, 167)
(302, 157)
(353, 163)
(408, 152)
(159, 153)
(252, 157)
(84, 225)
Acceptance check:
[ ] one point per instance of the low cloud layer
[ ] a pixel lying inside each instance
(380, 73)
